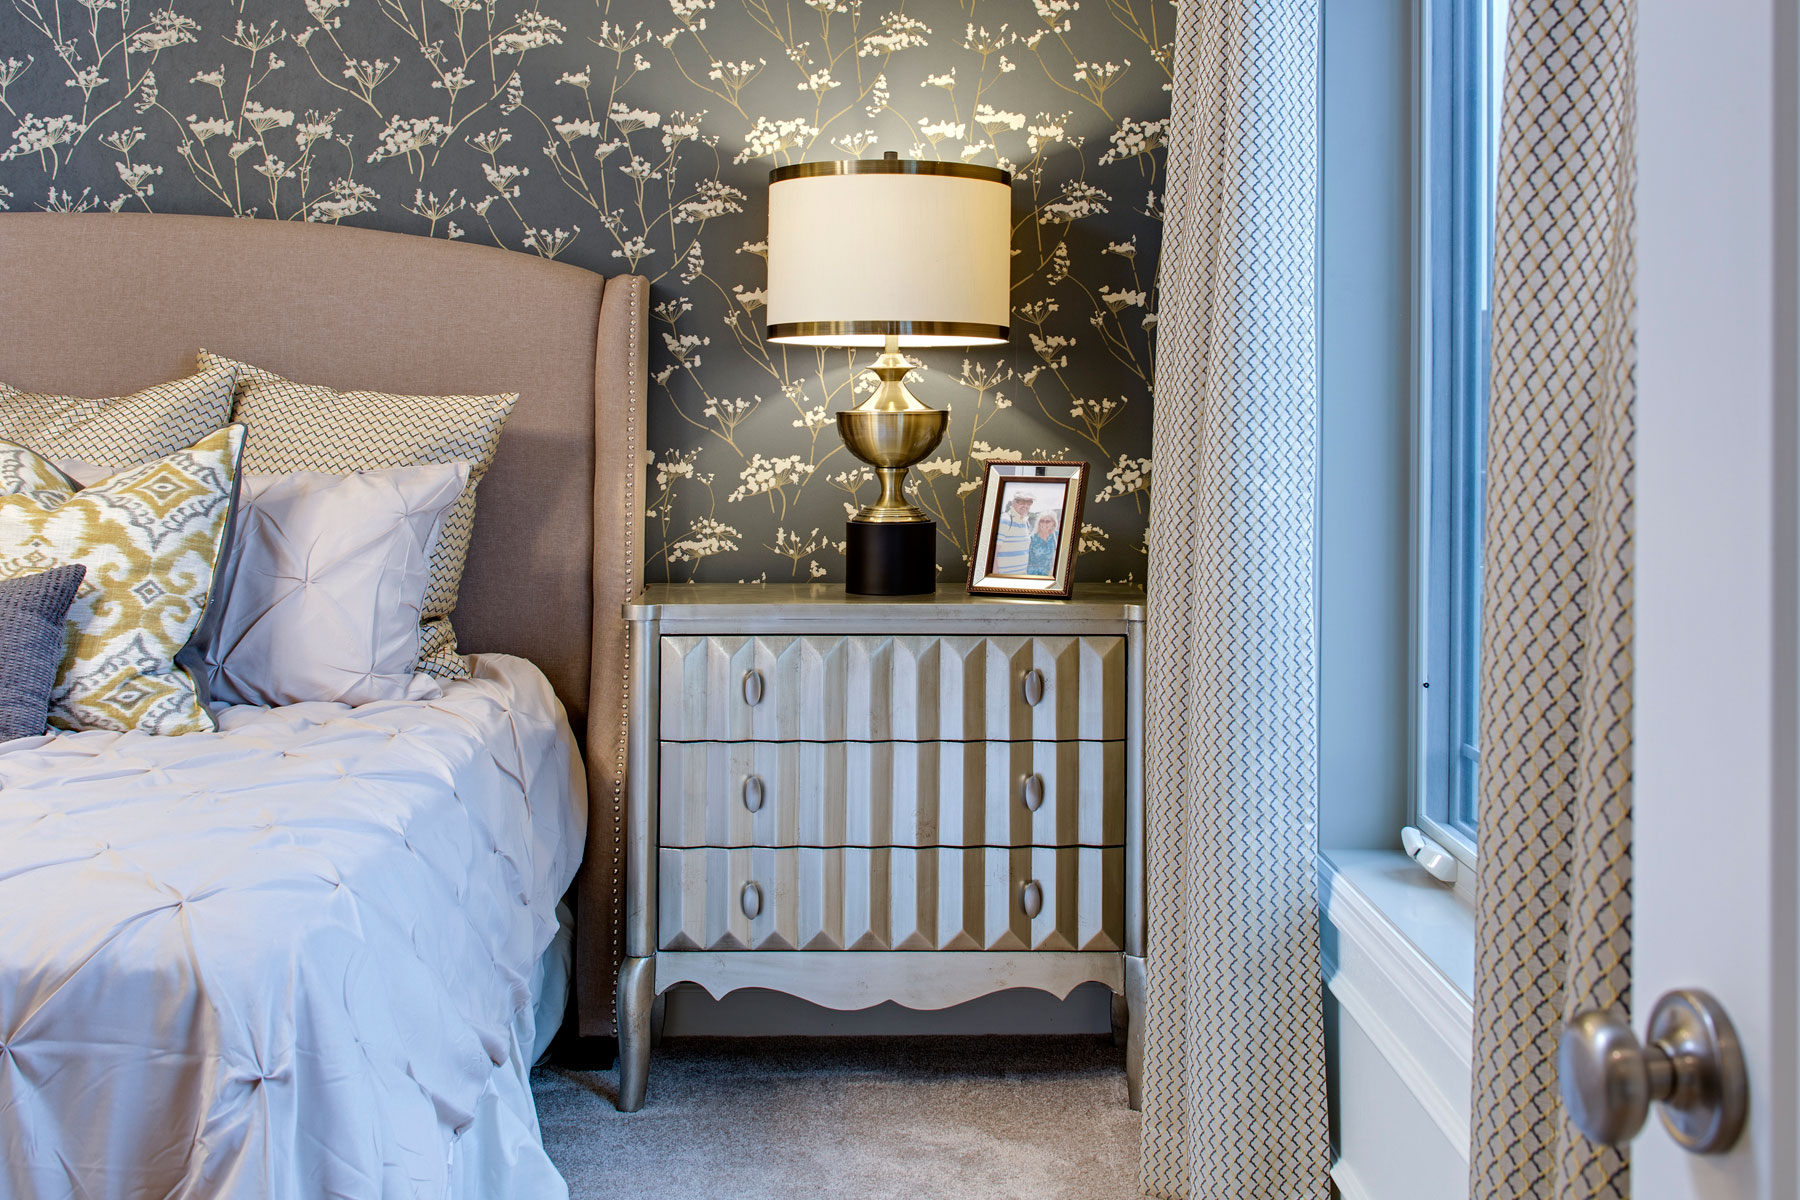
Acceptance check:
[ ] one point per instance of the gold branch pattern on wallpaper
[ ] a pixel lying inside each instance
(637, 135)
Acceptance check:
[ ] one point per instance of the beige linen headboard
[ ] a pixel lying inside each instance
(102, 304)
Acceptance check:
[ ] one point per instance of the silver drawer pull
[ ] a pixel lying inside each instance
(750, 900)
(1031, 899)
(1032, 792)
(1034, 686)
(753, 793)
(753, 687)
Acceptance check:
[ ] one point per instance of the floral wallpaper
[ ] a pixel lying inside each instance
(637, 135)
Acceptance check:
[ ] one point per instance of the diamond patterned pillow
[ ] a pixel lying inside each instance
(121, 430)
(303, 427)
(151, 538)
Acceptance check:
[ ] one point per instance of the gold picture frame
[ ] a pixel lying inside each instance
(1030, 530)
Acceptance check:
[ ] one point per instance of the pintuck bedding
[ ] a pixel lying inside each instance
(295, 957)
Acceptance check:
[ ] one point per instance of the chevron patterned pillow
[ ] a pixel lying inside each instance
(120, 431)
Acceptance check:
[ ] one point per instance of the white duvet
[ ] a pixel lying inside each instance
(284, 959)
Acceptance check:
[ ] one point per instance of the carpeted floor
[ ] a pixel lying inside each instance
(926, 1118)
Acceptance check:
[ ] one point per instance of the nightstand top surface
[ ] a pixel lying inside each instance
(819, 602)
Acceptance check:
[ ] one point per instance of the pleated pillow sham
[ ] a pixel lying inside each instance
(151, 538)
(306, 427)
(325, 588)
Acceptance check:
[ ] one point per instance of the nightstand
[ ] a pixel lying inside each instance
(859, 799)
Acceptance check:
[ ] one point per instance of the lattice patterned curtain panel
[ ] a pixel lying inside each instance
(1553, 923)
(1234, 1090)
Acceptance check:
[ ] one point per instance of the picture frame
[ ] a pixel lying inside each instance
(1030, 528)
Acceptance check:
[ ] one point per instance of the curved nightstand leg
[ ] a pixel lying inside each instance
(637, 995)
(1121, 1019)
(1134, 1038)
(658, 1009)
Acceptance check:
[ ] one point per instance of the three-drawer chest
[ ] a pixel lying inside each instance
(861, 799)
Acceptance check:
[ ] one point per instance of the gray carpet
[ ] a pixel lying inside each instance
(933, 1118)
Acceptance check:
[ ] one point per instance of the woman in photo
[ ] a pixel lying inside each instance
(1041, 559)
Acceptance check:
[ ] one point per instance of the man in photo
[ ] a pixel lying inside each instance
(1012, 535)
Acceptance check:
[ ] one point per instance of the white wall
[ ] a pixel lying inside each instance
(1389, 1147)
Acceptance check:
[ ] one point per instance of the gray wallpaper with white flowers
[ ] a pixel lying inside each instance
(637, 135)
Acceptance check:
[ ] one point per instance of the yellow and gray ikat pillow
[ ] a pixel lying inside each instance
(151, 537)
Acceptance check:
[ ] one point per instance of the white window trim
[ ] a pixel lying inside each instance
(1399, 995)
(1465, 853)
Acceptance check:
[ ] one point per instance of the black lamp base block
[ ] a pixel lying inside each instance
(891, 559)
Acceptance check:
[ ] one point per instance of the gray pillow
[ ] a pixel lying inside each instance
(33, 637)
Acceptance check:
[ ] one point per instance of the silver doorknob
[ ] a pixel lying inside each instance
(750, 900)
(753, 792)
(1692, 1065)
(753, 687)
(1033, 687)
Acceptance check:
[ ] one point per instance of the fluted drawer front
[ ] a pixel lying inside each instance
(892, 688)
(893, 794)
(850, 898)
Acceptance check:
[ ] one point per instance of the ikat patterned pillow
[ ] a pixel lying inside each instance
(304, 427)
(151, 538)
(121, 430)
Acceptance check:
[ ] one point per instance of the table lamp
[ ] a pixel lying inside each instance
(900, 254)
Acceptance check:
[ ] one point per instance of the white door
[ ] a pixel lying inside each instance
(1715, 847)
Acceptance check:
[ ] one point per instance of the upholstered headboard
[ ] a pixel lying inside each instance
(104, 304)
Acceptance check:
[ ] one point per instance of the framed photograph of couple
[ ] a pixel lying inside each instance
(1030, 528)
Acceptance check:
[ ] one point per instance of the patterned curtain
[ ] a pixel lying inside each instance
(1234, 1079)
(1553, 922)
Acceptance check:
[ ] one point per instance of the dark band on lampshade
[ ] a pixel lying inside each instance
(890, 166)
(953, 329)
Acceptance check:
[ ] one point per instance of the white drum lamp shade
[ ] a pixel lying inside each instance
(867, 249)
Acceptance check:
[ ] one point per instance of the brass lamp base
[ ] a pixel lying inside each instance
(890, 558)
(892, 545)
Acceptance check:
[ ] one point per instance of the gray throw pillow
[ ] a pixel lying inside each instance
(33, 638)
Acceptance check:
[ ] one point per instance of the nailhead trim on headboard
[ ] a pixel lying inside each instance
(631, 539)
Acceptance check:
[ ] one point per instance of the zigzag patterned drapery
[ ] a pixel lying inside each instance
(1234, 1090)
(1553, 924)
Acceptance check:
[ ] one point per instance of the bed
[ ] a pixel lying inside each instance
(397, 866)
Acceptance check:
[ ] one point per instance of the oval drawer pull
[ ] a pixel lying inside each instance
(750, 900)
(753, 687)
(1034, 686)
(1032, 792)
(753, 793)
(1031, 899)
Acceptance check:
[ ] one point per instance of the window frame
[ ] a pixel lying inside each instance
(1453, 214)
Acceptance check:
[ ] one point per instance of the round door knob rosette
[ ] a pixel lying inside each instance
(1691, 1063)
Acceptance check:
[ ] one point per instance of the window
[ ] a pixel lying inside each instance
(1463, 57)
